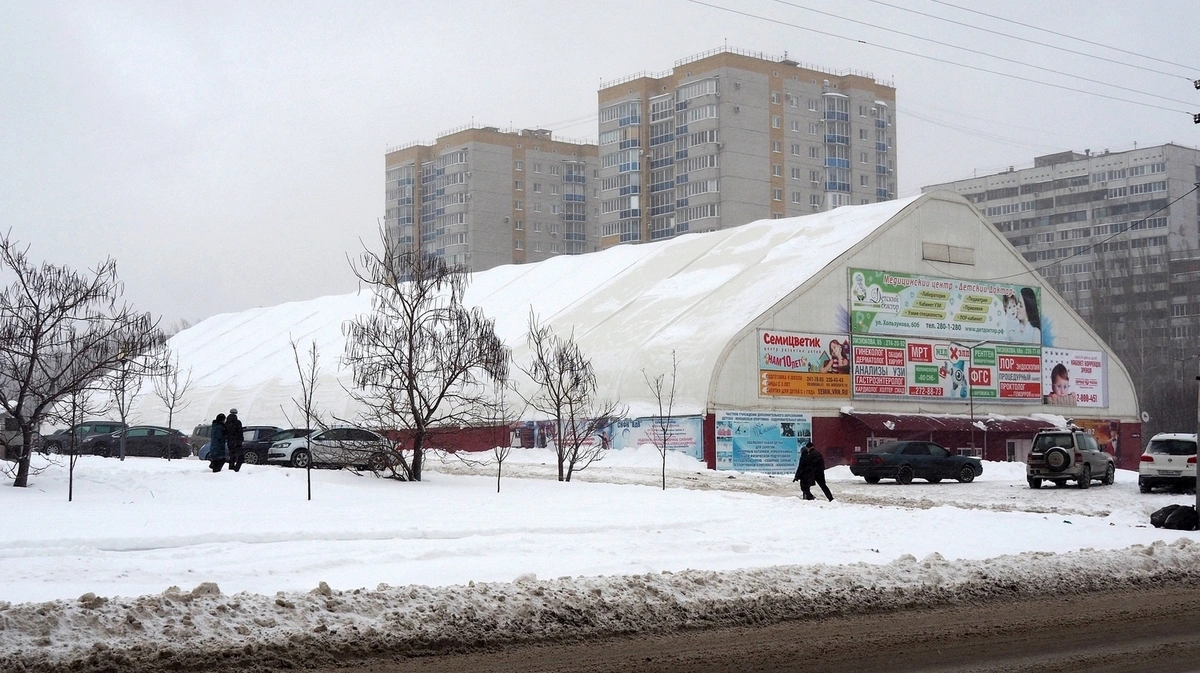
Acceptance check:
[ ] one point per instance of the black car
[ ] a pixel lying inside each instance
(256, 439)
(60, 441)
(140, 440)
(905, 461)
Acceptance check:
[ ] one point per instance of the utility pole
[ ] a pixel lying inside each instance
(1198, 437)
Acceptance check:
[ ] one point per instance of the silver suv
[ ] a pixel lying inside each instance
(1068, 454)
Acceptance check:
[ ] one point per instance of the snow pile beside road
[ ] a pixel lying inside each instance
(177, 628)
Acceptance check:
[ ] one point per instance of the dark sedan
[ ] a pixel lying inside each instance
(256, 439)
(140, 440)
(905, 461)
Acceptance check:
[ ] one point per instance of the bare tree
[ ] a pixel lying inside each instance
(661, 428)
(79, 404)
(566, 392)
(60, 331)
(171, 389)
(421, 358)
(308, 371)
(124, 384)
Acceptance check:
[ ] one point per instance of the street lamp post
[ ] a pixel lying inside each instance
(971, 386)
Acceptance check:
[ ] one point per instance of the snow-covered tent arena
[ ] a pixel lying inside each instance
(910, 318)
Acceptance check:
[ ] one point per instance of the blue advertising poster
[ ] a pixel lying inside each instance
(761, 441)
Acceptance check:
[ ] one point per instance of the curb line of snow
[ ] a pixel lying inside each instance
(206, 630)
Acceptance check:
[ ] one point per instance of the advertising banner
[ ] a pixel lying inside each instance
(1073, 378)
(761, 441)
(932, 369)
(903, 304)
(684, 434)
(801, 364)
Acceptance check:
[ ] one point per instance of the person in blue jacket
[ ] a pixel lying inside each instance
(216, 444)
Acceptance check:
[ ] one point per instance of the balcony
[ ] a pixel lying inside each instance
(834, 139)
(880, 124)
(833, 115)
(837, 187)
(833, 162)
(881, 170)
(881, 147)
(883, 193)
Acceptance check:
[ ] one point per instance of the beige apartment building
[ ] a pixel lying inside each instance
(728, 137)
(484, 197)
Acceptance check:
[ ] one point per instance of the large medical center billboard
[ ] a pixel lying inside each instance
(921, 337)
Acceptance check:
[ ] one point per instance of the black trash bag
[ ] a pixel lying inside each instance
(1184, 518)
(1159, 518)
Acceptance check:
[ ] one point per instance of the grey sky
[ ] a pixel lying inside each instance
(230, 155)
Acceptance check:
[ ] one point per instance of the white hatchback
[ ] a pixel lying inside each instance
(1169, 460)
(336, 447)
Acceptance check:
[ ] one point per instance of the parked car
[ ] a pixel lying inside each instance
(140, 440)
(1068, 454)
(336, 447)
(256, 440)
(908, 460)
(1169, 460)
(200, 435)
(60, 440)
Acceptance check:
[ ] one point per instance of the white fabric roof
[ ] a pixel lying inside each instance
(628, 306)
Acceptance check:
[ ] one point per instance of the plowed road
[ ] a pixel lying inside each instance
(1151, 630)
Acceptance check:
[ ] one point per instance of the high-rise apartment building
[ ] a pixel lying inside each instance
(1117, 234)
(484, 197)
(728, 137)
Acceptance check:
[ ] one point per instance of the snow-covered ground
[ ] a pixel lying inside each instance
(166, 554)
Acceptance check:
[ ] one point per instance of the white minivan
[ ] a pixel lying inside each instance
(1169, 460)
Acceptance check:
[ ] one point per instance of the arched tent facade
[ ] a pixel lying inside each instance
(715, 300)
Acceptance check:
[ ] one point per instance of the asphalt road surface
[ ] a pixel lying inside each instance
(1151, 630)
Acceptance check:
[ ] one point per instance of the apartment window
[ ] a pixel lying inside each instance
(777, 170)
(862, 181)
(862, 134)
(554, 208)
(795, 149)
(519, 185)
(862, 157)
(812, 129)
(537, 206)
(777, 146)
(814, 200)
(537, 168)
(537, 188)
(518, 205)
(812, 105)
(812, 152)
(519, 225)
(814, 177)
(776, 122)
(519, 165)
(537, 246)
(554, 171)
(518, 245)
(774, 98)
(796, 174)
(537, 227)
(797, 197)
(554, 248)
(796, 125)
(776, 194)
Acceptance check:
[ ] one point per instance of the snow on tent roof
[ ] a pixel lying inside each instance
(628, 307)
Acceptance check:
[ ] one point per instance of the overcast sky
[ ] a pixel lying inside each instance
(230, 155)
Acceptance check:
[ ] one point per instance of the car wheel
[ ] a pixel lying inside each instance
(54, 447)
(904, 475)
(933, 480)
(1034, 482)
(1110, 475)
(1144, 488)
(1057, 459)
(1085, 477)
(168, 453)
(300, 458)
(967, 474)
(378, 463)
(100, 450)
(251, 458)
(873, 479)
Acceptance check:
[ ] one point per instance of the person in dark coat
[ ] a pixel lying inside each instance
(811, 470)
(233, 438)
(216, 443)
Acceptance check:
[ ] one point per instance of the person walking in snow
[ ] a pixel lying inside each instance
(811, 470)
(233, 438)
(216, 443)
